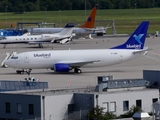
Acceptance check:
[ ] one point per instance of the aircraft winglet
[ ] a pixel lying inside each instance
(69, 25)
(67, 30)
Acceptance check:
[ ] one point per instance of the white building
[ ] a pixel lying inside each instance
(65, 104)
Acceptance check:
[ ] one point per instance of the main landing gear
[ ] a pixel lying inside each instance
(4, 46)
(40, 45)
(22, 71)
(29, 73)
(77, 70)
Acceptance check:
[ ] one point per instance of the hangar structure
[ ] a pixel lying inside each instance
(116, 96)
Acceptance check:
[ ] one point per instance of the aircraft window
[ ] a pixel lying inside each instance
(31, 38)
(27, 38)
(23, 38)
(35, 38)
(16, 39)
(14, 57)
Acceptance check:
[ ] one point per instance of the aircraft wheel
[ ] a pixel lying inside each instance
(77, 70)
(18, 72)
(40, 45)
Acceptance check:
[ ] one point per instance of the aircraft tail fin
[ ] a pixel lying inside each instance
(90, 20)
(137, 39)
(67, 30)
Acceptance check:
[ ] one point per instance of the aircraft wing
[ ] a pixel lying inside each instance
(38, 42)
(77, 64)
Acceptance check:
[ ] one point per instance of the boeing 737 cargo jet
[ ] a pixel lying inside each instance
(66, 60)
(84, 30)
(65, 34)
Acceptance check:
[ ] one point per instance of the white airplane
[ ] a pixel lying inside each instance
(84, 30)
(64, 35)
(66, 60)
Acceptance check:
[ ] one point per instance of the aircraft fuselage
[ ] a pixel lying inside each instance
(47, 59)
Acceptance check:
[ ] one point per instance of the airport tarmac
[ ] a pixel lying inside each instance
(88, 77)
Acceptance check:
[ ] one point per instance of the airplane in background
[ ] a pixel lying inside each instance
(10, 32)
(84, 30)
(66, 60)
(64, 35)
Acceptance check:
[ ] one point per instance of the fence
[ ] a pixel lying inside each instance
(21, 85)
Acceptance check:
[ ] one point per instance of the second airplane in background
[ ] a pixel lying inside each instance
(84, 30)
(64, 35)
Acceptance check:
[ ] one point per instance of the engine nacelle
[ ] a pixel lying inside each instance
(61, 67)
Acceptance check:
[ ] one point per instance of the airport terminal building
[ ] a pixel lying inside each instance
(116, 96)
(58, 106)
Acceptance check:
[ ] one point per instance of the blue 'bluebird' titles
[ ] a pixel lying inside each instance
(45, 55)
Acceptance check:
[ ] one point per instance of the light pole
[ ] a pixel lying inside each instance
(6, 15)
(135, 14)
(23, 15)
(46, 12)
(60, 17)
(98, 14)
(85, 10)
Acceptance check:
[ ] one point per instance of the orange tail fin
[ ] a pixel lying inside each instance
(90, 20)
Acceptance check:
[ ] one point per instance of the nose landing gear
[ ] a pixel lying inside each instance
(29, 73)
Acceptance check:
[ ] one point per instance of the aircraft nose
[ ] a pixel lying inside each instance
(7, 62)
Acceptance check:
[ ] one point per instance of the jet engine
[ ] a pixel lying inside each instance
(61, 67)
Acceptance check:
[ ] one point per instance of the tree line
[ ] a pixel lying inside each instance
(52, 5)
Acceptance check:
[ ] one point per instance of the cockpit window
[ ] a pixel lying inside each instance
(14, 57)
